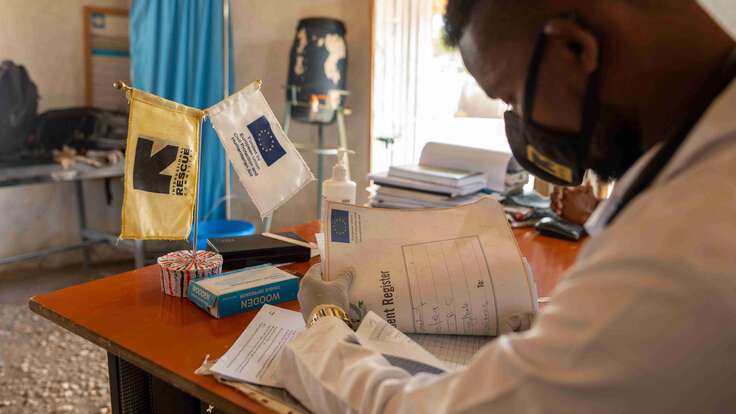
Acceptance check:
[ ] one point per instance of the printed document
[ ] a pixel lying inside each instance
(251, 357)
(454, 271)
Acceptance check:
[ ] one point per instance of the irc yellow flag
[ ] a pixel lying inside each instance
(161, 168)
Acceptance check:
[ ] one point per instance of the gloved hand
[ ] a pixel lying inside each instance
(314, 291)
(516, 323)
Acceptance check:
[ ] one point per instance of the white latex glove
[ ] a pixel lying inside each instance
(314, 291)
(516, 323)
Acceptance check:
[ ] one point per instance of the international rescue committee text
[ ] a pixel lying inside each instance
(389, 310)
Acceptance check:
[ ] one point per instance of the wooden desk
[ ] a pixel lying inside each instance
(168, 337)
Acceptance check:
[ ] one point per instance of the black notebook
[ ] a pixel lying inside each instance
(246, 251)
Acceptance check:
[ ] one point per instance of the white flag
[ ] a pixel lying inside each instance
(270, 168)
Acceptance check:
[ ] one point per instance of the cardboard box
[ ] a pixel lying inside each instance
(243, 290)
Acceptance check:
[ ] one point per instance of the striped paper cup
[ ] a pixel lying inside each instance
(178, 270)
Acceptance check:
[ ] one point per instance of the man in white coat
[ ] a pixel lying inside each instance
(637, 90)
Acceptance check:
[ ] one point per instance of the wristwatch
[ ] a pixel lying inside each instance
(321, 311)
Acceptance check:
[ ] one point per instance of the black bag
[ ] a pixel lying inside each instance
(18, 106)
(81, 128)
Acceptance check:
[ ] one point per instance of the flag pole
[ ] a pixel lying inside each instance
(225, 94)
(121, 86)
(196, 195)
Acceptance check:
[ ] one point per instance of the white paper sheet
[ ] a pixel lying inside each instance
(251, 357)
(320, 237)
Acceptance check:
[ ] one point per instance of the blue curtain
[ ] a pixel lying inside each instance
(176, 52)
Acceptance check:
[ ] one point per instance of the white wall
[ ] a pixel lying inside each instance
(46, 37)
(263, 33)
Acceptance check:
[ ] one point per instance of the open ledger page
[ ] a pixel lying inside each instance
(436, 271)
(417, 352)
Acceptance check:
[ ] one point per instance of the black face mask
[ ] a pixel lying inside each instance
(561, 158)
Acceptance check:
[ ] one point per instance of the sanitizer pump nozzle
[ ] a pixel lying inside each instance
(339, 187)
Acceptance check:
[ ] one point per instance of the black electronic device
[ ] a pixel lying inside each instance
(246, 251)
(560, 229)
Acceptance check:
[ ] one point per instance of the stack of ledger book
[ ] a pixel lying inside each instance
(446, 176)
(418, 186)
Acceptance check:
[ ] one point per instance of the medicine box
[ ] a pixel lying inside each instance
(243, 290)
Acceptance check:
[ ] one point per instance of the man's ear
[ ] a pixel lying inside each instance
(585, 44)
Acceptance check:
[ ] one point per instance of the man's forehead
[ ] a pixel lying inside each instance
(493, 55)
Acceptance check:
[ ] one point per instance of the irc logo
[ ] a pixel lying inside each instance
(161, 167)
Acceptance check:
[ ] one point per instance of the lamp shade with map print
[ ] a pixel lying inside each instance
(318, 69)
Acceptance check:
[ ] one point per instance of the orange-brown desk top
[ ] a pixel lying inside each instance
(129, 316)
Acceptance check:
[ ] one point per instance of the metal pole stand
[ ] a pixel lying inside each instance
(321, 150)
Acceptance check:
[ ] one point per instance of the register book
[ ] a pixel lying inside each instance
(455, 271)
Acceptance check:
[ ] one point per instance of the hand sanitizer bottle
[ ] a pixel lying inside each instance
(339, 187)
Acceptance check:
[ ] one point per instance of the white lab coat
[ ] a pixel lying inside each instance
(644, 322)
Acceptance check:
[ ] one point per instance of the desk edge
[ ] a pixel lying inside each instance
(149, 366)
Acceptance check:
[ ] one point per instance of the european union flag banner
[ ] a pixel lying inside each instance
(340, 226)
(266, 162)
(268, 145)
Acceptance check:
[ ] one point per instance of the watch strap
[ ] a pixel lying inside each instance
(322, 311)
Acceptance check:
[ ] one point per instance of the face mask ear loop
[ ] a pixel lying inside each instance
(532, 76)
(590, 104)
(590, 112)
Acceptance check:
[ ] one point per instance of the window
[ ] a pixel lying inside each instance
(421, 90)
